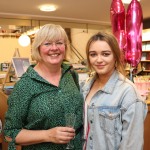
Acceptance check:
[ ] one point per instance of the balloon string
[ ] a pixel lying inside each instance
(131, 74)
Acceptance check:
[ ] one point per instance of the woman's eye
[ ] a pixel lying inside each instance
(106, 54)
(92, 55)
(59, 43)
(47, 44)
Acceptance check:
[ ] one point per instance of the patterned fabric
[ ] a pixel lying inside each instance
(35, 104)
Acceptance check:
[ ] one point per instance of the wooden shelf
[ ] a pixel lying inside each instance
(145, 61)
(145, 51)
(146, 70)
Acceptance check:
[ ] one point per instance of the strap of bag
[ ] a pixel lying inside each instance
(75, 78)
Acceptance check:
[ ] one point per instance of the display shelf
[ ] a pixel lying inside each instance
(145, 51)
(145, 59)
(146, 70)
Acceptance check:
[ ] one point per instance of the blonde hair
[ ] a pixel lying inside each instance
(49, 32)
(113, 43)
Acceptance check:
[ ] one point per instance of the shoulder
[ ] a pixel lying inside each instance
(85, 85)
(21, 89)
(23, 82)
(24, 85)
(130, 93)
(127, 84)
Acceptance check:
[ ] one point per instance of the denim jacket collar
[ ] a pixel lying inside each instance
(108, 88)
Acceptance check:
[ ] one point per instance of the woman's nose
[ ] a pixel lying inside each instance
(99, 58)
(54, 46)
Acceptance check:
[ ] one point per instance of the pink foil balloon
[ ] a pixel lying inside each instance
(134, 25)
(117, 16)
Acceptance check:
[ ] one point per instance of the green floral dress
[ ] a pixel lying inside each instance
(35, 104)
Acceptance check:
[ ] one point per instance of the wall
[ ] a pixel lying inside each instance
(8, 46)
(80, 33)
(79, 39)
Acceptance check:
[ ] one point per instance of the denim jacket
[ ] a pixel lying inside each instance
(115, 115)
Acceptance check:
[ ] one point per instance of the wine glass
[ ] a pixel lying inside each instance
(70, 121)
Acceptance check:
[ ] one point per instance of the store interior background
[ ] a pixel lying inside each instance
(79, 34)
(83, 18)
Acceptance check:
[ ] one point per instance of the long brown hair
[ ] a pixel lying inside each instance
(112, 42)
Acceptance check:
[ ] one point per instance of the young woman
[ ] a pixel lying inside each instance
(43, 96)
(114, 110)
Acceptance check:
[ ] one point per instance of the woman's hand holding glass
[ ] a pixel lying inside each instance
(60, 135)
(63, 135)
(70, 121)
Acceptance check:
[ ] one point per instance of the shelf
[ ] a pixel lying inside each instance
(145, 51)
(146, 70)
(145, 61)
(145, 41)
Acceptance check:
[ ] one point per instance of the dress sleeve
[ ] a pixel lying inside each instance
(133, 126)
(18, 103)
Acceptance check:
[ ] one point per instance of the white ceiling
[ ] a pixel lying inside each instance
(81, 11)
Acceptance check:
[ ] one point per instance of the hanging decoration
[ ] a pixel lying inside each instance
(134, 25)
(117, 15)
(128, 30)
(24, 40)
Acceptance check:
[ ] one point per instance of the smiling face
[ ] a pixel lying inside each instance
(101, 58)
(50, 44)
(52, 53)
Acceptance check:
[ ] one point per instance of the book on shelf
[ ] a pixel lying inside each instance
(147, 46)
(148, 56)
(143, 56)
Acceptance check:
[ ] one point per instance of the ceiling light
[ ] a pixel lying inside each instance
(48, 8)
(127, 1)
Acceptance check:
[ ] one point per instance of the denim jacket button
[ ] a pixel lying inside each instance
(91, 121)
(90, 138)
(110, 115)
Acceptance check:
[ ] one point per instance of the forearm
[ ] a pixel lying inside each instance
(59, 135)
(28, 137)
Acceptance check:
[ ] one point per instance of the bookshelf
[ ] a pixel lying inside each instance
(145, 59)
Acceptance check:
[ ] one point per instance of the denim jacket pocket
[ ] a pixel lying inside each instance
(109, 119)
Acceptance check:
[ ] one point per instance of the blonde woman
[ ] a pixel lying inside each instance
(45, 93)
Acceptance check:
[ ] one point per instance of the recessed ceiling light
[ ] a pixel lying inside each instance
(127, 1)
(48, 8)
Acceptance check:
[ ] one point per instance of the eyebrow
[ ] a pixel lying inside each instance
(101, 51)
(106, 51)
